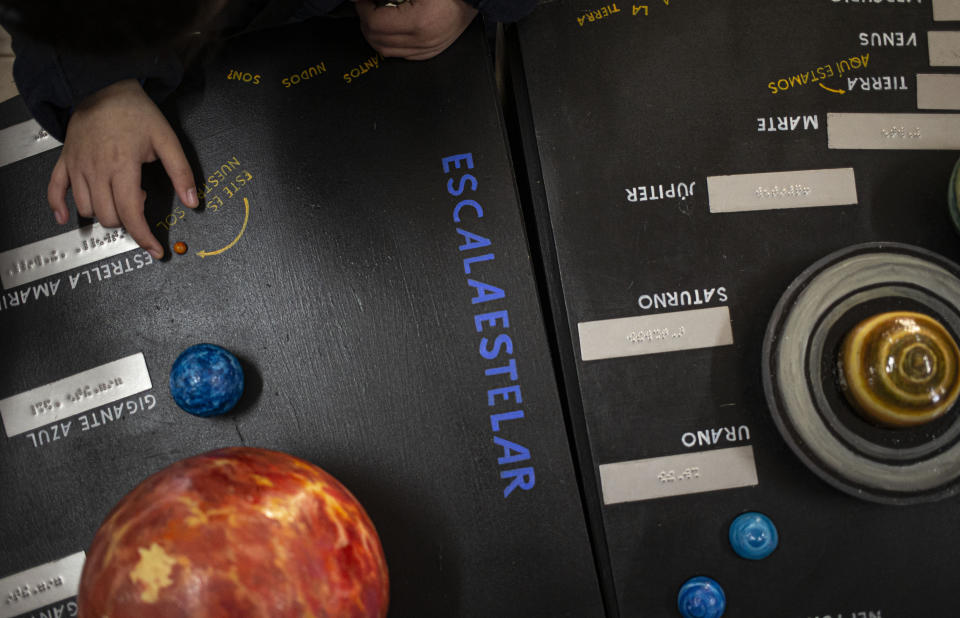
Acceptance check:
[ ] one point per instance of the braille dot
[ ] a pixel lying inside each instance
(180, 247)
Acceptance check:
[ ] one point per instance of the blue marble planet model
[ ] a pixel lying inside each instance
(753, 536)
(206, 380)
(701, 597)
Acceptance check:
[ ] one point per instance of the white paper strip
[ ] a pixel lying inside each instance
(938, 91)
(63, 252)
(71, 396)
(944, 48)
(776, 190)
(653, 334)
(946, 10)
(39, 586)
(24, 140)
(675, 475)
(893, 131)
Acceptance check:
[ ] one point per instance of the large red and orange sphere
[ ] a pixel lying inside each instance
(236, 532)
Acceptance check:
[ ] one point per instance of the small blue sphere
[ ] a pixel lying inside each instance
(206, 380)
(753, 536)
(701, 597)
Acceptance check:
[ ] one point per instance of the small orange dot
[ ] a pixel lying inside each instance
(180, 247)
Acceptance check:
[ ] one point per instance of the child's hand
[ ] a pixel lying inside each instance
(111, 134)
(415, 30)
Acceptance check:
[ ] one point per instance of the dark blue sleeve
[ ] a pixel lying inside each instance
(505, 11)
(52, 83)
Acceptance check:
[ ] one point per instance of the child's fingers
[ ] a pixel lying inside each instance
(103, 206)
(57, 192)
(81, 195)
(170, 153)
(130, 198)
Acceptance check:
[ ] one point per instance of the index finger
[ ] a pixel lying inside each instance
(129, 198)
(170, 152)
(57, 191)
(387, 20)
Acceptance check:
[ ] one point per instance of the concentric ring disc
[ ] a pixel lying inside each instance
(897, 466)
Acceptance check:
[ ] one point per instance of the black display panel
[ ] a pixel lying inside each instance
(361, 250)
(646, 130)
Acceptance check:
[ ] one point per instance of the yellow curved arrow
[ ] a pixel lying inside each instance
(834, 90)
(246, 217)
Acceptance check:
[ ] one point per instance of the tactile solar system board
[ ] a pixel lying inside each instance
(692, 164)
(328, 259)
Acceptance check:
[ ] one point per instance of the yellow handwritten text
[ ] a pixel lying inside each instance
(371, 63)
(224, 183)
(317, 69)
(245, 77)
(598, 14)
(814, 75)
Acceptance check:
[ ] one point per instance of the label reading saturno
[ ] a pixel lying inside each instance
(71, 396)
(893, 131)
(675, 475)
(776, 190)
(34, 588)
(63, 252)
(652, 334)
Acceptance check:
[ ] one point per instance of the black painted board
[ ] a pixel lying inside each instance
(624, 95)
(334, 272)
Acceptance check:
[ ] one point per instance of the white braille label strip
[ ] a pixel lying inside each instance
(68, 397)
(24, 140)
(61, 253)
(946, 10)
(893, 131)
(938, 91)
(675, 475)
(653, 334)
(29, 590)
(944, 46)
(780, 190)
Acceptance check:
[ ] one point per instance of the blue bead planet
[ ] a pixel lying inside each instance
(753, 536)
(701, 597)
(206, 380)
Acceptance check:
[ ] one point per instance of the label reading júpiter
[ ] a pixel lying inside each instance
(24, 140)
(938, 91)
(946, 10)
(71, 396)
(652, 334)
(42, 585)
(776, 190)
(944, 46)
(893, 131)
(61, 253)
(675, 475)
